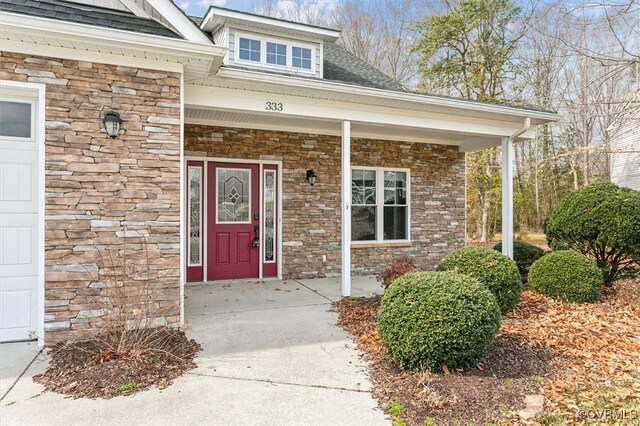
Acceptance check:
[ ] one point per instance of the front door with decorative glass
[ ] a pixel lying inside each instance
(232, 210)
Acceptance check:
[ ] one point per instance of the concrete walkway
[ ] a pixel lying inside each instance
(272, 355)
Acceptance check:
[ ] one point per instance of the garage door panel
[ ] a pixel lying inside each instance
(18, 182)
(21, 144)
(18, 315)
(18, 249)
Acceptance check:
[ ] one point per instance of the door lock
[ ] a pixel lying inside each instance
(256, 240)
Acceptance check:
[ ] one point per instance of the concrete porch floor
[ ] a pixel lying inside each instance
(272, 354)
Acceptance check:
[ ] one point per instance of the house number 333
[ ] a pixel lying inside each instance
(274, 106)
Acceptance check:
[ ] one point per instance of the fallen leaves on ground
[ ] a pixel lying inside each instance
(581, 356)
(595, 346)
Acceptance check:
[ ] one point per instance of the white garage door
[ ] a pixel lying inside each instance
(19, 215)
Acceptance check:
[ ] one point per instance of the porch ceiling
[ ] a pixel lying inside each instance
(224, 118)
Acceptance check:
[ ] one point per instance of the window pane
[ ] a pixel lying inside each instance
(195, 179)
(363, 223)
(395, 187)
(395, 223)
(15, 119)
(269, 215)
(301, 57)
(249, 50)
(233, 195)
(276, 54)
(363, 187)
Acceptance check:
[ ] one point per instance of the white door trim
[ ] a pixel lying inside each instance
(278, 164)
(36, 91)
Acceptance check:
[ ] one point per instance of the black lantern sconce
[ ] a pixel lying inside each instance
(312, 177)
(112, 122)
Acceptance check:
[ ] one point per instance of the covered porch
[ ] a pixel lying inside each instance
(334, 113)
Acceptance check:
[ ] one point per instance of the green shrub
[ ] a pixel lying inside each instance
(432, 319)
(497, 272)
(602, 221)
(568, 276)
(524, 254)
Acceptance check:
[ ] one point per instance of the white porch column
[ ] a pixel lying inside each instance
(346, 208)
(507, 197)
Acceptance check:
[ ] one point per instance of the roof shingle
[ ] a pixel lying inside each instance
(87, 14)
(341, 65)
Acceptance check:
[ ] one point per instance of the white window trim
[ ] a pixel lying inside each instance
(263, 53)
(189, 215)
(380, 205)
(220, 222)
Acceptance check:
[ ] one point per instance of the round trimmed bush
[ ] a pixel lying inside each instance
(524, 254)
(601, 220)
(568, 276)
(431, 319)
(496, 271)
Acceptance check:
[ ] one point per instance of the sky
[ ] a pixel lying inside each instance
(199, 7)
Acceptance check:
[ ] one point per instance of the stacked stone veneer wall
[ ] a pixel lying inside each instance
(311, 215)
(99, 190)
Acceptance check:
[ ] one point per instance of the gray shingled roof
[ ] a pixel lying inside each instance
(87, 14)
(341, 65)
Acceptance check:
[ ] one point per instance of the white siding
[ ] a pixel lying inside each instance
(625, 155)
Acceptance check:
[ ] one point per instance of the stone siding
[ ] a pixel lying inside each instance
(311, 215)
(99, 190)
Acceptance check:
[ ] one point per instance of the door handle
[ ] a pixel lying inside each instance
(256, 240)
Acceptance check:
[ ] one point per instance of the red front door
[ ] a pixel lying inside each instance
(233, 222)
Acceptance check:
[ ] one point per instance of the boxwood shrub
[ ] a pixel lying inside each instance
(496, 271)
(601, 220)
(432, 319)
(524, 254)
(568, 276)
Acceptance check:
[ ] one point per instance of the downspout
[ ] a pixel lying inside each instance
(524, 128)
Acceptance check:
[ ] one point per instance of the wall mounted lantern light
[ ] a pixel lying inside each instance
(312, 177)
(112, 122)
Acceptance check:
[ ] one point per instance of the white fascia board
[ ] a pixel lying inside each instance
(111, 37)
(226, 99)
(221, 14)
(409, 98)
(179, 20)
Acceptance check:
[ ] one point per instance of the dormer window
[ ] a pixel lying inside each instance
(301, 57)
(249, 49)
(276, 53)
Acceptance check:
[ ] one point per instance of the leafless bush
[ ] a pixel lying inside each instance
(131, 313)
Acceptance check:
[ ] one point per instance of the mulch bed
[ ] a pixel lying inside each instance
(92, 369)
(578, 356)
